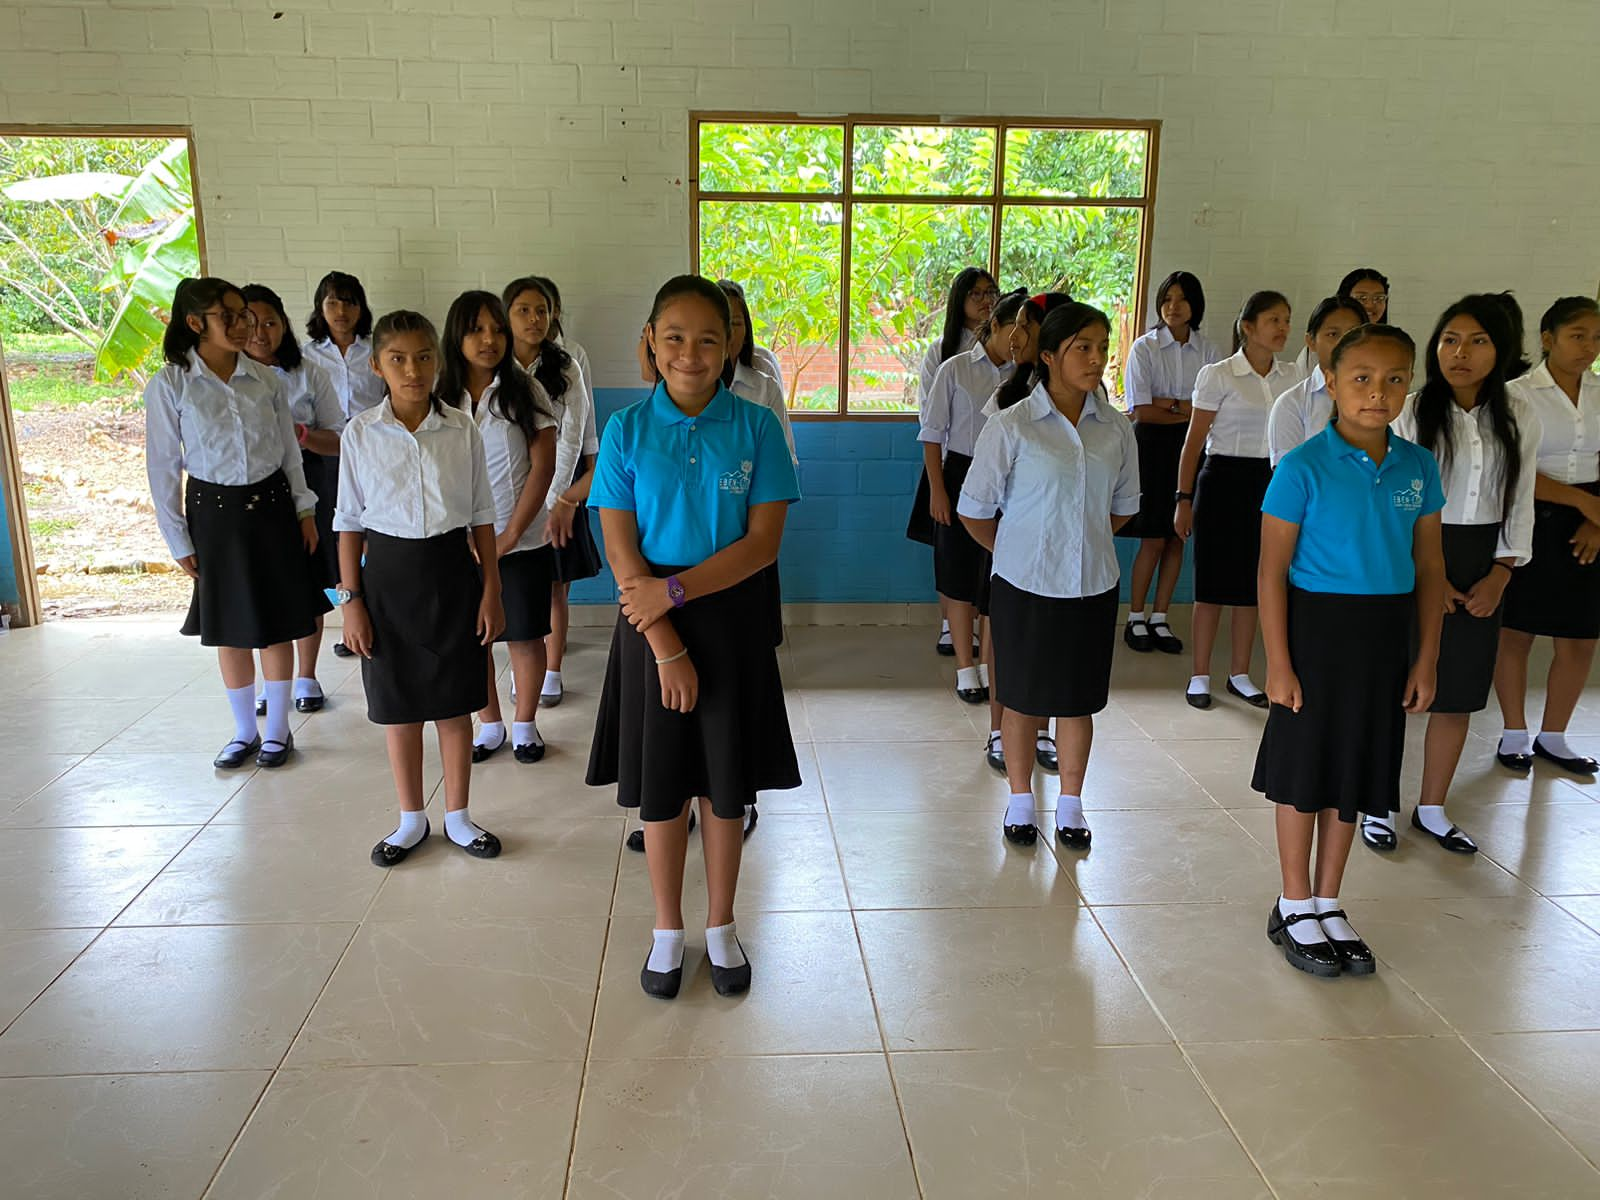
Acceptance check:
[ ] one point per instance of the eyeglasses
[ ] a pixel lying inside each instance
(232, 316)
(1370, 297)
(984, 294)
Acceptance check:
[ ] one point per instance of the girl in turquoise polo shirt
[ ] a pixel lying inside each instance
(1350, 542)
(693, 485)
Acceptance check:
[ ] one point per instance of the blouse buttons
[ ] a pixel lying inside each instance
(693, 460)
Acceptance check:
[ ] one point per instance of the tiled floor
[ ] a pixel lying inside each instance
(206, 990)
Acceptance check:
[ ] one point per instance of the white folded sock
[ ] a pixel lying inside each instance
(967, 678)
(1307, 933)
(983, 674)
(1243, 683)
(459, 827)
(1158, 618)
(1431, 817)
(1019, 809)
(552, 684)
(276, 728)
(1199, 685)
(722, 946)
(1386, 821)
(666, 954)
(1515, 741)
(491, 735)
(305, 689)
(1556, 743)
(525, 733)
(410, 830)
(1069, 813)
(1336, 928)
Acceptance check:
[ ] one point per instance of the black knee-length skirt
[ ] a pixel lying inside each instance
(322, 477)
(1160, 448)
(580, 557)
(1227, 528)
(525, 580)
(1468, 645)
(920, 523)
(1343, 749)
(960, 565)
(1555, 595)
(1052, 656)
(423, 596)
(257, 584)
(733, 744)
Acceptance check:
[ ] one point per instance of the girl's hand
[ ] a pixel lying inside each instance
(358, 628)
(1586, 542)
(645, 601)
(562, 519)
(1452, 597)
(1484, 596)
(491, 618)
(308, 533)
(1420, 685)
(1589, 506)
(1283, 687)
(190, 566)
(1183, 519)
(504, 544)
(939, 506)
(680, 686)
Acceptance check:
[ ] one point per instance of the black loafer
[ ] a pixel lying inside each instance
(261, 705)
(485, 845)
(1022, 835)
(274, 753)
(340, 650)
(664, 984)
(635, 841)
(1161, 634)
(1576, 765)
(1073, 839)
(944, 647)
(731, 981)
(484, 753)
(1259, 700)
(531, 753)
(234, 754)
(1514, 762)
(1354, 956)
(751, 817)
(310, 704)
(1044, 752)
(385, 854)
(977, 695)
(1316, 958)
(1453, 840)
(994, 753)
(1137, 636)
(1378, 837)
(1197, 699)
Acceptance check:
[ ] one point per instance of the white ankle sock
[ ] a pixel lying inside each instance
(967, 678)
(1137, 616)
(722, 946)
(1338, 928)
(459, 828)
(1199, 685)
(1069, 813)
(276, 728)
(1307, 933)
(1387, 821)
(1431, 817)
(994, 741)
(410, 830)
(1556, 743)
(983, 674)
(667, 952)
(525, 733)
(944, 628)
(552, 683)
(1158, 618)
(242, 701)
(491, 735)
(1515, 741)
(1019, 809)
(305, 688)
(1243, 683)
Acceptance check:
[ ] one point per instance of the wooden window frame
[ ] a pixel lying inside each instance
(995, 200)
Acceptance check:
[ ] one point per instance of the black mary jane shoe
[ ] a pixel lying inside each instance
(1022, 835)
(1166, 641)
(1453, 840)
(1044, 752)
(1578, 764)
(310, 704)
(485, 845)
(994, 753)
(1354, 957)
(945, 647)
(1137, 636)
(529, 754)
(662, 984)
(977, 695)
(385, 854)
(1378, 837)
(234, 754)
(484, 753)
(1259, 700)
(731, 981)
(277, 754)
(1197, 699)
(1073, 839)
(750, 819)
(1521, 763)
(261, 705)
(1315, 958)
(340, 650)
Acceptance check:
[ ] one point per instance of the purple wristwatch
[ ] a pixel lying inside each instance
(675, 592)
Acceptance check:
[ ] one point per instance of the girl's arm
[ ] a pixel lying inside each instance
(491, 613)
(1144, 406)
(644, 597)
(938, 497)
(1427, 552)
(1553, 491)
(564, 512)
(322, 437)
(541, 470)
(163, 465)
(1278, 538)
(680, 683)
(984, 530)
(357, 624)
(1189, 466)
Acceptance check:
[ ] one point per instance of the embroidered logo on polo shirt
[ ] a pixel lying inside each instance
(1409, 499)
(737, 482)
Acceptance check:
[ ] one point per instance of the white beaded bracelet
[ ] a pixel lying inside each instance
(684, 653)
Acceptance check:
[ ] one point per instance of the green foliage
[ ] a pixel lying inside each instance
(60, 388)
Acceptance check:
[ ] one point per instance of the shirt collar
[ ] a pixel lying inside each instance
(433, 420)
(1041, 406)
(1164, 339)
(667, 413)
(1315, 382)
(1240, 365)
(198, 367)
(1340, 448)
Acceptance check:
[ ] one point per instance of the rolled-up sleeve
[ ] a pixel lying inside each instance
(1125, 495)
(305, 500)
(325, 408)
(483, 511)
(1138, 381)
(1516, 531)
(163, 462)
(350, 513)
(984, 492)
(933, 418)
(1210, 387)
(1286, 428)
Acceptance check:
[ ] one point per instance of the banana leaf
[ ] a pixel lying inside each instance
(162, 191)
(141, 319)
(79, 185)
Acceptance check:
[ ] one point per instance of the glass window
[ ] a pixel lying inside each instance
(1092, 163)
(771, 158)
(923, 160)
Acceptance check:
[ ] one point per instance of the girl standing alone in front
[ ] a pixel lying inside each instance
(414, 488)
(1349, 548)
(693, 485)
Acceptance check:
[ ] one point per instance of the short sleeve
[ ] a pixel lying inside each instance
(1289, 494)
(1210, 388)
(933, 417)
(613, 472)
(1432, 487)
(1285, 428)
(544, 416)
(983, 494)
(1137, 382)
(772, 475)
(483, 510)
(1125, 496)
(349, 514)
(325, 406)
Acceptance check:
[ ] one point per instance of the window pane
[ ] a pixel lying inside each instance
(902, 258)
(1090, 252)
(788, 257)
(923, 160)
(1076, 162)
(771, 158)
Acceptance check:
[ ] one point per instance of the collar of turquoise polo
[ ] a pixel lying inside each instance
(1342, 448)
(665, 411)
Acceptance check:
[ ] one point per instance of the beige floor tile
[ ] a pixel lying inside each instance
(808, 994)
(477, 1132)
(132, 789)
(1211, 972)
(66, 878)
(123, 677)
(808, 797)
(462, 991)
(1136, 775)
(789, 865)
(1170, 857)
(912, 777)
(1557, 1073)
(792, 1128)
(1342, 1118)
(1089, 1123)
(990, 979)
(885, 715)
(1222, 766)
(1553, 848)
(354, 784)
(32, 958)
(956, 860)
(56, 726)
(27, 771)
(863, 658)
(134, 1137)
(1585, 908)
(1504, 965)
(176, 999)
(1165, 717)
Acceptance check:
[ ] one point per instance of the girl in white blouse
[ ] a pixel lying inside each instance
(414, 493)
(340, 328)
(1220, 504)
(1487, 444)
(244, 526)
(747, 374)
(1557, 595)
(1306, 408)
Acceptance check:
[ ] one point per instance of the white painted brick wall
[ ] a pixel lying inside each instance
(430, 145)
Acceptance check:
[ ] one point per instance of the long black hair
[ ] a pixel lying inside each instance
(1063, 324)
(736, 299)
(1327, 307)
(193, 297)
(288, 354)
(1520, 364)
(1437, 395)
(955, 308)
(1185, 282)
(1563, 312)
(403, 321)
(553, 294)
(693, 285)
(1026, 374)
(1258, 303)
(1362, 275)
(515, 399)
(551, 369)
(1004, 313)
(340, 286)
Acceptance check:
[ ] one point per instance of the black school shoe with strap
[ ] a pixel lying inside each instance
(1377, 836)
(234, 754)
(1258, 700)
(1166, 642)
(386, 854)
(1454, 840)
(1315, 958)
(1137, 636)
(1577, 764)
(1021, 835)
(994, 752)
(1354, 956)
(275, 753)
(1044, 753)
(340, 650)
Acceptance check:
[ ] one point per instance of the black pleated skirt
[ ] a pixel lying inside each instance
(257, 584)
(1343, 749)
(960, 565)
(920, 524)
(1052, 656)
(525, 580)
(1468, 645)
(1555, 595)
(322, 477)
(735, 742)
(773, 583)
(1227, 529)
(580, 557)
(1160, 448)
(423, 596)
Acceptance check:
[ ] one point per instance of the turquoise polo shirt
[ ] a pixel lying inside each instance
(1356, 517)
(690, 481)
